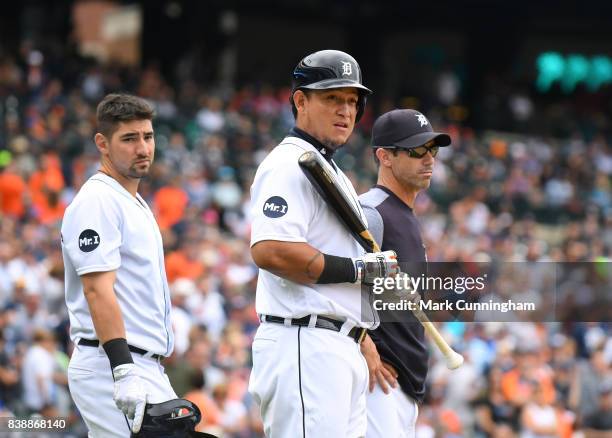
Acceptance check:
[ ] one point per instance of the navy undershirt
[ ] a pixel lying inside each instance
(323, 150)
(401, 343)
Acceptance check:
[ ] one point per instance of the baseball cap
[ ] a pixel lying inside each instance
(405, 128)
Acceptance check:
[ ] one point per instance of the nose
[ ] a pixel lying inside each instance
(428, 158)
(345, 108)
(142, 147)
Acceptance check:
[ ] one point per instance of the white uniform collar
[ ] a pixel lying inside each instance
(100, 176)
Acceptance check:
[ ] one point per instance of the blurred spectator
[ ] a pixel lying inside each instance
(12, 191)
(10, 389)
(462, 386)
(180, 291)
(40, 378)
(470, 213)
(48, 179)
(185, 262)
(586, 385)
(233, 418)
(539, 419)
(169, 203)
(599, 423)
(207, 306)
(211, 415)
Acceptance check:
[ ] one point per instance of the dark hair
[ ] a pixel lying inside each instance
(116, 108)
(306, 91)
(376, 160)
(197, 379)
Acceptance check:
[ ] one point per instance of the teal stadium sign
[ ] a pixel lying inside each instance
(571, 70)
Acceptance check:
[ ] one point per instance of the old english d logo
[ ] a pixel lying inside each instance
(347, 68)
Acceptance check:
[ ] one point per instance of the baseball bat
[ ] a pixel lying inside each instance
(324, 180)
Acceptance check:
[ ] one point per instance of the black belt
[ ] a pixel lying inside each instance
(356, 333)
(96, 343)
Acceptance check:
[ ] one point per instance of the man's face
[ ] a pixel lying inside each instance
(329, 115)
(131, 148)
(412, 172)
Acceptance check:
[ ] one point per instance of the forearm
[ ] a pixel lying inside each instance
(298, 262)
(301, 263)
(103, 305)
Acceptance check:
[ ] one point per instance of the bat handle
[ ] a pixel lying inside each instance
(452, 359)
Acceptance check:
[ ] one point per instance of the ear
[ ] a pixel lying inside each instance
(384, 156)
(299, 100)
(101, 143)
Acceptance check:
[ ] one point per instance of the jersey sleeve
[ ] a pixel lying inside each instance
(375, 223)
(282, 204)
(91, 235)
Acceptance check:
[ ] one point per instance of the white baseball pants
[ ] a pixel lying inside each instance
(309, 382)
(91, 385)
(391, 415)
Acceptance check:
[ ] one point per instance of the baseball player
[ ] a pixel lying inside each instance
(116, 289)
(405, 146)
(309, 375)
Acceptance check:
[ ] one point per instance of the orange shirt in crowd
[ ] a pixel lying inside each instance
(170, 203)
(48, 178)
(12, 190)
(49, 213)
(211, 415)
(565, 423)
(451, 421)
(178, 265)
(513, 388)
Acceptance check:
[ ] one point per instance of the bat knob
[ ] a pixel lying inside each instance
(307, 157)
(453, 360)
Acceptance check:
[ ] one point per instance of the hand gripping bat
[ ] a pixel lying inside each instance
(324, 180)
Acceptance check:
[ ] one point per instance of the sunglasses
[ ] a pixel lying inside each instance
(421, 151)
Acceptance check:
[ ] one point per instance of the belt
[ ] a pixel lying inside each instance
(356, 333)
(96, 343)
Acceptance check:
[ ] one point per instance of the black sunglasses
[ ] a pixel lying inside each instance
(421, 151)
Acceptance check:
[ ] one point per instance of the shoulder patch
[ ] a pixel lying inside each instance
(89, 240)
(275, 207)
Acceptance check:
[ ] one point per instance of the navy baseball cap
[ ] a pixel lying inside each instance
(405, 128)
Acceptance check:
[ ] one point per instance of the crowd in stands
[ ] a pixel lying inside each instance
(514, 197)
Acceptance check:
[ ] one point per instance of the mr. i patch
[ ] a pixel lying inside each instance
(89, 240)
(275, 207)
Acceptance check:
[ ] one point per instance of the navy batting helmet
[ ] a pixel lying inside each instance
(171, 419)
(328, 69)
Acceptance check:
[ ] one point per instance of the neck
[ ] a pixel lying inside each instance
(406, 194)
(326, 151)
(129, 184)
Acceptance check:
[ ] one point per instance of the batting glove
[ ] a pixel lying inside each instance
(130, 394)
(375, 265)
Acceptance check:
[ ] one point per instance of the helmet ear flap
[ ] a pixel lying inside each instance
(293, 107)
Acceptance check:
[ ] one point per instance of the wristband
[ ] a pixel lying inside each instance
(118, 352)
(337, 270)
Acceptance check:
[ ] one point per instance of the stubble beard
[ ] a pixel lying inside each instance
(135, 173)
(332, 144)
(414, 182)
